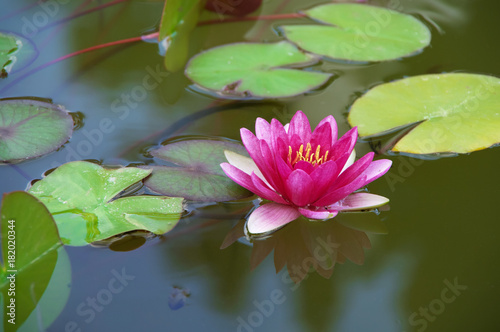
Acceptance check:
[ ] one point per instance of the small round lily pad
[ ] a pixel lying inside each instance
(31, 128)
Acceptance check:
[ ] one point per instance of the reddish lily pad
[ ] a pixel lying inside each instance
(199, 176)
(31, 128)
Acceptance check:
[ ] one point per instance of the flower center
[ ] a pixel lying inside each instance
(308, 155)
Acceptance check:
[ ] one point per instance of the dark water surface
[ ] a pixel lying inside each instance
(435, 270)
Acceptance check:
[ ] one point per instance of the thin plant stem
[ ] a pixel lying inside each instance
(67, 56)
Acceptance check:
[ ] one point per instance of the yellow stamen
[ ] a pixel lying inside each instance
(314, 158)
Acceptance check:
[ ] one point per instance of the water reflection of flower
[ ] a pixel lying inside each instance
(305, 246)
(303, 173)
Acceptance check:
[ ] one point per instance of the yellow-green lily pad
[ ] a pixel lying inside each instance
(451, 113)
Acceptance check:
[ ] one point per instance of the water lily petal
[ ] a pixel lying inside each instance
(322, 177)
(270, 165)
(244, 164)
(295, 141)
(251, 182)
(350, 161)
(305, 166)
(322, 136)
(253, 146)
(376, 169)
(299, 125)
(354, 170)
(277, 131)
(333, 126)
(359, 201)
(251, 143)
(284, 170)
(337, 194)
(344, 144)
(263, 129)
(240, 177)
(265, 191)
(319, 214)
(299, 187)
(271, 216)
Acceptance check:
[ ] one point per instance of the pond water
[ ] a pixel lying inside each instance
(434, 269)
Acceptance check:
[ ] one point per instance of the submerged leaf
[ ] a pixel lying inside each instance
(451, 113)
(31, 128)
(359, 32)
(81, 196)
(255, 70)
(200, 176)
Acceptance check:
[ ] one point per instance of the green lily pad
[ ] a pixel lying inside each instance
(30, 250)
(178, 20)
(55, 297)
(359, 32)
(82, 198)
(199, 176)
(16, 52)
(254, 70)
(31, 128)
(451, 113)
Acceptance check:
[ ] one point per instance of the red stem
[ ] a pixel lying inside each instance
(152, 35)
(93, 48)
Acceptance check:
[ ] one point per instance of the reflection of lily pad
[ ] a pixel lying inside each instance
(179, 19)
(81, 196)
(254, 70)
(359, 32)
(32, 255)
(452, 113)
(200, 176)
(16, 52)
(31, 128)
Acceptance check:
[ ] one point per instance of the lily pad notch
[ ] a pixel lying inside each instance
(255, 71)
(450, 113)
(84, 199)
(359, 33)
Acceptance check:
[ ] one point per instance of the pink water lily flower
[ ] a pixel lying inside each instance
(304, 173)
